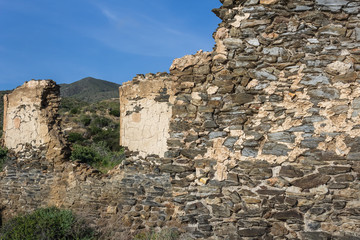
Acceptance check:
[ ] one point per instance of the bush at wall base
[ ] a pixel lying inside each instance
(46, 223)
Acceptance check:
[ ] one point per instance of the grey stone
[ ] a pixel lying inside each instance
(352, 10)
(230, 141)
(272, 148)
(213, 135)
(251, 2)
(312, 80)
(291, 214)
(253, 41)
(325, 92)
(281, 137)
(314, 225)
(249, 152)
(252, 232)
(332, 2)
(302, 8)
(275, 51)
(265, 75)
(357, 33)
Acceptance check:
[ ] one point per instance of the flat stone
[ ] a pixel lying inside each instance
(253, 23)
(346, 78)
(213, 135)
(230, 141)
(251, 2)
(275, 51)
(281, 137)
(325, 92)
(253, 41)
(172, 168)
(311, 181)
(332, 2)
(315, 235)
(333, 170)
(192, 153)
(220, 211)
(249, 152)
(242, 98)
(344, 178)
(265, 75)
(357, 33)
(233, 43)
(268, 2)
(277, 149)
(333, 30)
(291, 214)
(278, 229)
(313, 80)
(290, 171)
(252, 232)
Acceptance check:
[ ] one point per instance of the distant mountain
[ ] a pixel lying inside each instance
(90, 90)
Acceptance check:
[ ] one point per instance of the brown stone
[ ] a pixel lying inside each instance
(311, 181)
(291, 214)
(346, 78)
(279, 229)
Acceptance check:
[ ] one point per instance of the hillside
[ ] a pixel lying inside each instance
(90, 90)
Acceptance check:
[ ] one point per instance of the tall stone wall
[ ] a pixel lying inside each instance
(264, 129)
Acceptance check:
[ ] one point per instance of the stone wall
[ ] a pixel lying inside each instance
(264, 129)
(262, 139)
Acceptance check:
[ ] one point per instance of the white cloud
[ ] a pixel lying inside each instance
(133, 32)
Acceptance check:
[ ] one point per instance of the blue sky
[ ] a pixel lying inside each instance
(66, 40)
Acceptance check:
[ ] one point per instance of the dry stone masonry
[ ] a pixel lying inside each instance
(258, 139)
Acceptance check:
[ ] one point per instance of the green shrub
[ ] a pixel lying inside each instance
(100, 121)
(3, 156)
(46, 223)
(75, 137)
(74, 111)
(85, 120)
(84, 154)
(164, 234)
(115, 112)
(97, 155)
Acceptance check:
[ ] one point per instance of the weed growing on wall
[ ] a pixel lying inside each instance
(97, 155)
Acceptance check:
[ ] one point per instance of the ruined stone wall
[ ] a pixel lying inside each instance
(262, 138)
(264, 130)
(30, 118)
